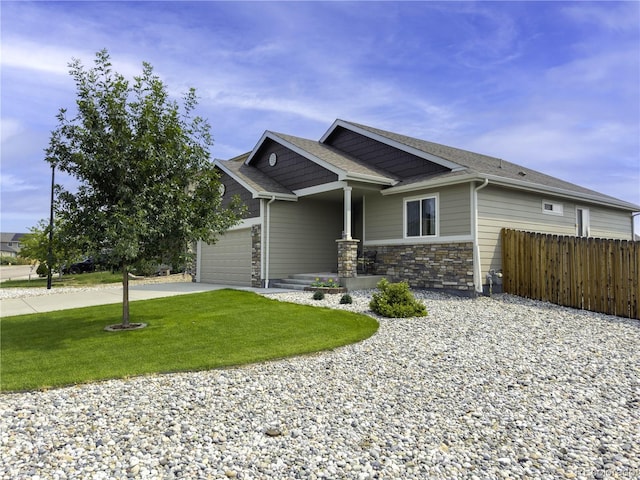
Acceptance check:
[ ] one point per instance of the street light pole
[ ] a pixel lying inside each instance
(50, 252)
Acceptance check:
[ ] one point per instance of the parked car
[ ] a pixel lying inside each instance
(85, 266)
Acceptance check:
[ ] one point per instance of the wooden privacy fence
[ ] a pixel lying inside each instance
(595, 274)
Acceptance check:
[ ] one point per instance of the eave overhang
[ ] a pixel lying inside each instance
(255, 192)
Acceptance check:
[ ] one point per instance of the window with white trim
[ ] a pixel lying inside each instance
(421, 217)
(552, 208)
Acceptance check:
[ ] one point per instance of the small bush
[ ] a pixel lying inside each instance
(42, 270)
(145, 268)
(395, 300)
(7, 260)
(346, 299)
(318, 295)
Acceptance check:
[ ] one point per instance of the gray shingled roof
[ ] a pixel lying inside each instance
(482, 165)
(471, 165)
(6, 237)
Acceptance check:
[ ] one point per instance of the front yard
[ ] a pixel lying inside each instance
(190, 332)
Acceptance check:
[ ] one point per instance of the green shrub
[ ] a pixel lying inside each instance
(42, 270)
(346, 299)
(145, 268)
(395, 300)
(318, 295)
(7, 260)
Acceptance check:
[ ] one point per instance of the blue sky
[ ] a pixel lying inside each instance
(553, 86)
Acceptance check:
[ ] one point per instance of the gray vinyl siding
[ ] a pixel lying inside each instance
(385, 215)
(455, 210)
(303, 237)
(505, 208)
(608, 223)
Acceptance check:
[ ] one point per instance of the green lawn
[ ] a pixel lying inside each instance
(184, 333)
(79, 280)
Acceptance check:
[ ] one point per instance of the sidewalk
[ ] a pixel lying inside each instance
(103, 296)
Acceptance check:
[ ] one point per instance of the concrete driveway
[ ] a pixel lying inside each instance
(17, 272)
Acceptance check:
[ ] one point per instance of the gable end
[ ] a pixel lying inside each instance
(233, 187)
(291, 169)
(397, 162)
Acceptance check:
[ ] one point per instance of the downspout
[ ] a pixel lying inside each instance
(267, 242)
(477, 269)
(198, 277)
(633, 226)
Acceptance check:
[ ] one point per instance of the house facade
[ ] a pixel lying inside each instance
(421, 212)
(10, 244)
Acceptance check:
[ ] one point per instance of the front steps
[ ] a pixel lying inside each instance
(301, 280)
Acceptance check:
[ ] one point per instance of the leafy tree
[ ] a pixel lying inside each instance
(146, 187)
(35, 246)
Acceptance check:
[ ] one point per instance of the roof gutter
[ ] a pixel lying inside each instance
(362, 177)
(267, 241)
(289, 197)
(430, 184)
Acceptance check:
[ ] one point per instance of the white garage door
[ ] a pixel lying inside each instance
(228, 261)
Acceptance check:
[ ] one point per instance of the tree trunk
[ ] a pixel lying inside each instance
(125, 295)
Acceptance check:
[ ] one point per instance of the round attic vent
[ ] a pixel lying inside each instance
(273, 158)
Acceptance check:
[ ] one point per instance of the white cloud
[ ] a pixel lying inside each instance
(616, 16)
(287, 106)
(584, 156)
(10, 183)
(9, 128)
(52, 61)
(602, 71)
(488, 37)
(34, 56)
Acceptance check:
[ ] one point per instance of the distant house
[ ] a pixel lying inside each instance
(10, 244)
(419, 211)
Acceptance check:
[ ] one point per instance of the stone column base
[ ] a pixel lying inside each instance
(347, 258)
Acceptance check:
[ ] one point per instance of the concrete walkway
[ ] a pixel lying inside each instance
(102, 296)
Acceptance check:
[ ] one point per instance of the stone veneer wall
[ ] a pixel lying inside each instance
(447, 266)
(256, 255)
(347, 258)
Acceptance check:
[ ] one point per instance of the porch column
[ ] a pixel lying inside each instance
(347, 258)
(346, 233)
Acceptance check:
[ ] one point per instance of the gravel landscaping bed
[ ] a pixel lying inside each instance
(10, 292)
(498, 387)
